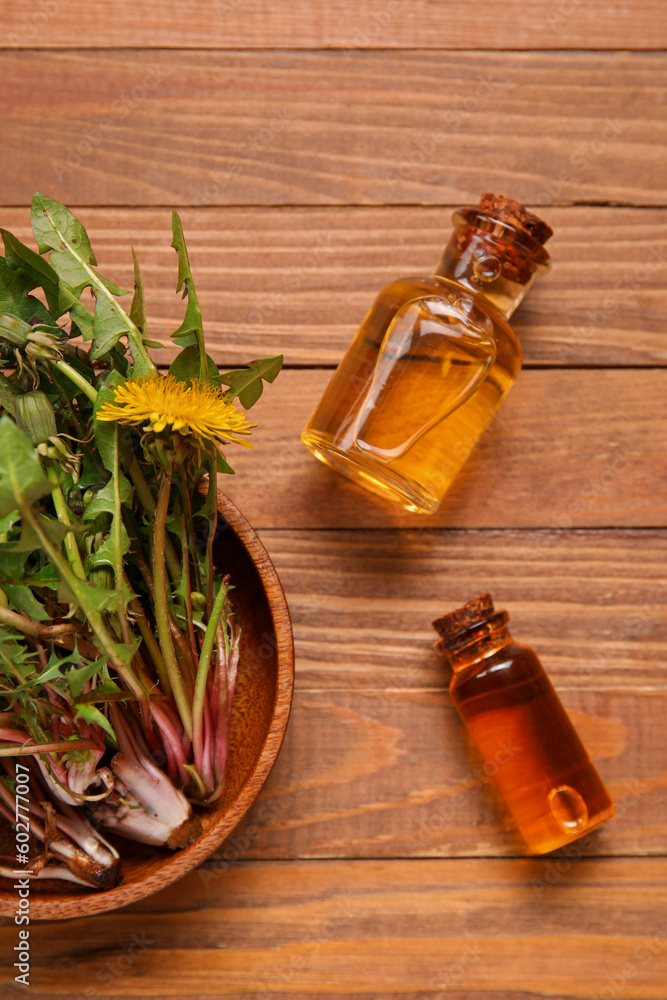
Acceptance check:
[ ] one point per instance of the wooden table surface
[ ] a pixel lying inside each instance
(303, 143)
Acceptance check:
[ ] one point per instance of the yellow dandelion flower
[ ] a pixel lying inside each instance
(188, 408)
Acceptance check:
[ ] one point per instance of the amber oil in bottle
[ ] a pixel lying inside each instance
(432, 360)
(521, 729)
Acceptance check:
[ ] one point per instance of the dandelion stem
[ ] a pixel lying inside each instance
(71, 547)
(78, 380)
(162, 605)
(213, 523)
(148, 503)
(117, 533)
(202, 674)
(151, 645)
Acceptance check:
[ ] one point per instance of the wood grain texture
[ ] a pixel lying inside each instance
(193, 128)
(392, 773)
(592, 603)
(568, 448)
(477, 929)
(239, 24)
(299, 281)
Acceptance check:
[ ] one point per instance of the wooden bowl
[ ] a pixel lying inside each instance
(261, 708)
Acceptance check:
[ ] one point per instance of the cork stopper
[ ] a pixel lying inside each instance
(503, 238)
(510, 211)
(450, 626)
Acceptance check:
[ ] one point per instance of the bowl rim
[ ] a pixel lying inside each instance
(190, 857)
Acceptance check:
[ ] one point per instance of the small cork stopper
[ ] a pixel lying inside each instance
(510, 211)
(456, 622)
(513, 252)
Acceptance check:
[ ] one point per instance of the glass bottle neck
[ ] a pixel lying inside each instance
(492, 259)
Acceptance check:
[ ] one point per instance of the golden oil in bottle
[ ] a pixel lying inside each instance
(432, 360)
(521, 729)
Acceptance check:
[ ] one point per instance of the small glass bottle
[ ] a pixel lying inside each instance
(521, 729)
(432, 360)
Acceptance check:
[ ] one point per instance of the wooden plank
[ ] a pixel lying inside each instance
(298, 281)
(346, 24)
(371, 929)
(191, 128)
(568, 448)
(392, 774)
(592, 603)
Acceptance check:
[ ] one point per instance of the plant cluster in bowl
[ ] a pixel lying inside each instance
(119, 645)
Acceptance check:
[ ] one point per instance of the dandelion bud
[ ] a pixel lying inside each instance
(102, 577)
(35, 417)
(198, 600)
(43, 348)
(13, 330)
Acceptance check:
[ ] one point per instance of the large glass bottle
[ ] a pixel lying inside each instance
(521, 729)
(432, 360)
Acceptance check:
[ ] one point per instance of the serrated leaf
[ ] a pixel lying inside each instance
(98, 598)
(24, 600)
(186, 366)
(54, 667)
(190, 331)
(58, 231)
(15, 299)
(111, 286)
(106, 554)
(78, 676)
(92, 715)
(127, 650)
(138, 307)
(80, 316)
(29, 540)
(12, 564)
(60, 296)
(47, 576)
(49, 219)
(105, 431)
(22, 480)
(108, 328)
(246, 383)
(20, 256)
(104, 500)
